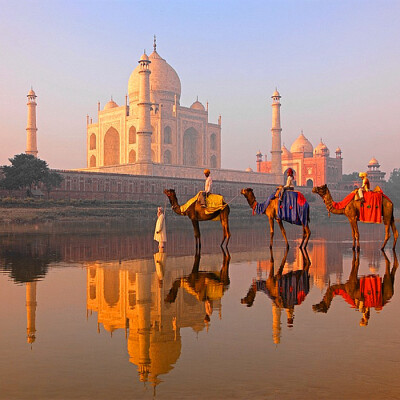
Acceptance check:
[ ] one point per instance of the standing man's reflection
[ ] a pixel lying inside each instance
(204, 286)
(362, 293)
(285, 290)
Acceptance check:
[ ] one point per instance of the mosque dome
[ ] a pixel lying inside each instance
(321, 149)
(373, 162)
(110, 104)
(163, 78)
(31, 93)
(276, 93)
(144, 57)
(302, 145)
(197, 106)
(248, 169)
(285, 151)
(338, 150)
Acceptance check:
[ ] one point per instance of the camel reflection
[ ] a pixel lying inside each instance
(285, 290)
(130, 296)
(206, 287)
(365, 292)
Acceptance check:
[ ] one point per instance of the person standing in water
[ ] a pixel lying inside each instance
(160, 233)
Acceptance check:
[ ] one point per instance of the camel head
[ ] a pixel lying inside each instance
(170, 193)
(249, 194)
(321, 190)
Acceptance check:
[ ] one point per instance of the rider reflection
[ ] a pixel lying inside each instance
(365, 292)
(285, 290)
(206, 287)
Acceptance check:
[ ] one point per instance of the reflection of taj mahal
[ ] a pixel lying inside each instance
(152, 126)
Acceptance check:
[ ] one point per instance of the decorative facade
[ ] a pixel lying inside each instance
(152, 127)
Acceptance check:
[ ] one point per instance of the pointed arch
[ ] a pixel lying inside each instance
(92, 161)
(167, 157)
(213, 141)
(132, 135)
(111, 147)
(167, 135)
(213, 161)
(132, 156)
(92, 145)
(191, 147)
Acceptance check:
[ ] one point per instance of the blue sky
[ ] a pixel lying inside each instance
(335, 63)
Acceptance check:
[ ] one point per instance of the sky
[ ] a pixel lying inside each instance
(335, 63)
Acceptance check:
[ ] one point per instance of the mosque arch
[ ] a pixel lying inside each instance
(213, 162)
(310, 183)
(92, 161)
(167, 135)
(167, 157)
(92, 145)
(285, 175)
(132, 156)
(132, 135)
(111, 147)
(111, 287)
(153, 156)
(213, 141)
(153, 135)
(191, 147)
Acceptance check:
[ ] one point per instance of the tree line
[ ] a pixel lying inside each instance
(27, 172)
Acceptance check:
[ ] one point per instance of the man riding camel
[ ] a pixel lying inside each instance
(289, 184)
(207, 188)
(365, 187)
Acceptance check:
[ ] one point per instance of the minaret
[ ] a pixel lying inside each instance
(31, 144)
(30, 311)
(144, 129)
(276, 151)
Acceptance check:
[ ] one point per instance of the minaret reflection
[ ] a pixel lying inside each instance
(286, 290)
(131, 296)
(363, 293)
(31, 311)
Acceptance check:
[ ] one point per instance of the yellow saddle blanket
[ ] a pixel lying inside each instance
(214, 202)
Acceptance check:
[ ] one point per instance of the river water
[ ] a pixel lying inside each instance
(98, 313)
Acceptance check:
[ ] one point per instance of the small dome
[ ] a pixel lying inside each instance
(285, 151)
(259, 154)
(144, 57)
(110, 104)
(302, 145)
(31, 93)
(276, 94)
(338, 150)
(321, 149)
(197, 106)
(248, 169)
(373, 162)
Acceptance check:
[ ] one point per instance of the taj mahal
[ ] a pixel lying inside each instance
(153, 135)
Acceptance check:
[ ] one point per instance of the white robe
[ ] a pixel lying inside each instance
(160, 227)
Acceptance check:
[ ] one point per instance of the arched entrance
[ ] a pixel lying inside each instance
(92, 161)
(190, 147)
(111, 147)
(92, 142)
(285, 175)
(310, 183)
(167, 157)
(213, 162)
(132, 156)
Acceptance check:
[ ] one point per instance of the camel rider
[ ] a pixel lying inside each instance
(207, 188)
(289, 184)
(365, 187)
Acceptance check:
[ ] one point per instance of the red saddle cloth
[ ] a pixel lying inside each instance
(371, 209)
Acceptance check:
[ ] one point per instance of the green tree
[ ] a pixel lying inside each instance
(52, 180)
(393, 186)
(350, 177)
(27, 171)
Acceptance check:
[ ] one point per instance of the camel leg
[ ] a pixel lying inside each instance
(308, 234)
(283, 232)
(355, 233)
(196, 229)
(271, 231)
(225, 227)
(395, 233)
(387, 235)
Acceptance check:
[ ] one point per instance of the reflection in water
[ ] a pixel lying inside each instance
(285, 290)
(133, 296)
(365, 292)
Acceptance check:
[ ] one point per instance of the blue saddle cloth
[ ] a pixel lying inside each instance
(261, 207)
(293, 208)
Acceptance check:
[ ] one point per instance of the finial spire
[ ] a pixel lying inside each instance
(155, 43)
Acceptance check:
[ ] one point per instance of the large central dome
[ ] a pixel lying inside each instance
(302, 145)
(163, 79)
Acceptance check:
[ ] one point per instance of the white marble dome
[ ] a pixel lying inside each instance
(163, 78)
(301, 145)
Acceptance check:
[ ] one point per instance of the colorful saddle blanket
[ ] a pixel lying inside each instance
(371, 209)
(214, 202)
(294, 208)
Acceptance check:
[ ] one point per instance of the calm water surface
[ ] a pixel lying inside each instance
(102, 315)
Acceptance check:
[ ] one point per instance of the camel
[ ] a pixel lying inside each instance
(358, 293)
(272, 214)
(197, 213)
(352, 212)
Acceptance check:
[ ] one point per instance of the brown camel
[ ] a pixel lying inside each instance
(357, 291)
(272, 214)
(197, 213)
(352, 212)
